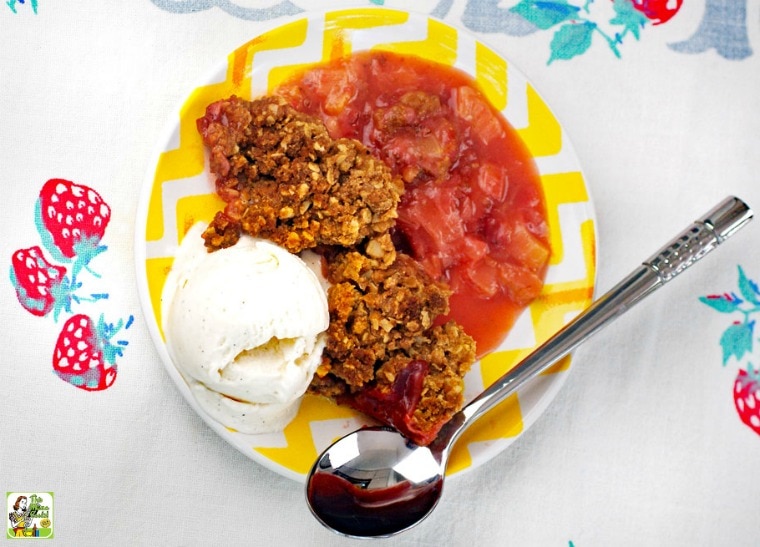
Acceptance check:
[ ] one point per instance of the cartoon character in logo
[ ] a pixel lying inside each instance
(20, 517)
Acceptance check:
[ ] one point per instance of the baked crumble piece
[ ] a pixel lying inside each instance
(285, 179)
(383, 310)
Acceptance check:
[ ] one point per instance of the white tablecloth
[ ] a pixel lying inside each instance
(643, 445)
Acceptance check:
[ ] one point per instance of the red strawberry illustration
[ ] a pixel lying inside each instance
(74, 218)
(84, 355)
(747, 397)
(658, 11)
(40, 286)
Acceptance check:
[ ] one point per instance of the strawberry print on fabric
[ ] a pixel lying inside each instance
(573, 26)
(12, 5)
(576, 24)
(40, 286)
(658, 11)
(84, 355)
(747, 397)
(71, 221)
(738, 345)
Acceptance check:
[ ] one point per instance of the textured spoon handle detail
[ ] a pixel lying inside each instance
(701, 238)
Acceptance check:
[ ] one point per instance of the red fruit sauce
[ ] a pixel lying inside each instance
(473, 213)
(365, 512)
(397, 405)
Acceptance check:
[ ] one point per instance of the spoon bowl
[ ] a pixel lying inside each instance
(375, 483)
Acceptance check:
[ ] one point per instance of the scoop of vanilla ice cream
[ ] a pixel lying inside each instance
(245, 325)
(244, 417)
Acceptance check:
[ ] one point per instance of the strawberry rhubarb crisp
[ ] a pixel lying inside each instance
(424, 205)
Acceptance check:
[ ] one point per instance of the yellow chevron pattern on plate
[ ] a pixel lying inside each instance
(178, 192)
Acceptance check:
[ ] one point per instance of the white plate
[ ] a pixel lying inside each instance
(178, 192)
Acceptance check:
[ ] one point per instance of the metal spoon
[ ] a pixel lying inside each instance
(375, 483)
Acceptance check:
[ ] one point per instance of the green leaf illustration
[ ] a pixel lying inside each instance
(737, 340)
(723, 303)
(571, 39)
(545, 14)
(748, 288)
(629, 17)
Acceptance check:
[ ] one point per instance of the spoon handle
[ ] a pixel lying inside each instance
(688, 247)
